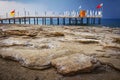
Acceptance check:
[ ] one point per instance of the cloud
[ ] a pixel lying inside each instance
(7, 6)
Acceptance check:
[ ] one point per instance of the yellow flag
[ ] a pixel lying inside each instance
(12, 13)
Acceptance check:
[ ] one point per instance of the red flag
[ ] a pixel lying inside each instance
(99, 6)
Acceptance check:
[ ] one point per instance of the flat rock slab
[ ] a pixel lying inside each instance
(32, 58)
(13, 42)
(113, 62)
(73, 63)
(30, 33)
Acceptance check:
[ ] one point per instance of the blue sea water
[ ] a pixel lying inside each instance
(110, 22)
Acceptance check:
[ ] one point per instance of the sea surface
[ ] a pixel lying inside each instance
(110, 22)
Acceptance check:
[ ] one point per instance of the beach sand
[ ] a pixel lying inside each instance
(26, 51)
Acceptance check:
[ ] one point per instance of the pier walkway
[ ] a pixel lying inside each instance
(66, 20)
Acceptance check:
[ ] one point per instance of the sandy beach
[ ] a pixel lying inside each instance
(34, 52)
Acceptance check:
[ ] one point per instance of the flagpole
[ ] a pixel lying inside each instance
(14, 13)
(28, 13)
(6, 15)
(18, 13)
(24, 12)
(102, 11)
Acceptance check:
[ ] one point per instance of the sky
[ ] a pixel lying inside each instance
(110, 8)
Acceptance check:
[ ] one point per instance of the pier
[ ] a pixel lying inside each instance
(60, 20)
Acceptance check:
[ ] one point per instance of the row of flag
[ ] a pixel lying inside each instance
(12, 13)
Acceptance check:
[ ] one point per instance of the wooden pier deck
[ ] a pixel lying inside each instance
(66, 20)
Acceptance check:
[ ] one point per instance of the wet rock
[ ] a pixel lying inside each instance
(73, 63)
(113, 62)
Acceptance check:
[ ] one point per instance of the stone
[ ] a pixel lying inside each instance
(12, 42)
(30, 33)
(87, 41)
(32, 58)
(72, 64)
(116, 40)
(55, 34)
(89, 36)
(112, 46)
(113, 62)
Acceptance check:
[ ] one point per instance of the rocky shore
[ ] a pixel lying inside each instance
(34, 52)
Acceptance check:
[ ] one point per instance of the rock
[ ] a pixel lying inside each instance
(87, 41)
(12, 42)
(34, 59)
(113, 62)
(116, 40)
(89, 36)
(29, 58)
(30, 33)
(16, 32)
(1, 33)
(112, 46)
(55, 34)
(72, 64)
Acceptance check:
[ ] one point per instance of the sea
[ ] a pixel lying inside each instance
(111, 23)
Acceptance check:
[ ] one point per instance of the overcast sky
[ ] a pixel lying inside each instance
(110, 7)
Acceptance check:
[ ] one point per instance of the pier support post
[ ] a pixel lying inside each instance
(9, 21)
(1, 21)
(63, 21)
(45, 20)
(99, 20)
(37, 21)
(34, 20)
(24, 20)
(75, 21)
(81, 21)
(51, 21)
(93, 20)
(87, 21)
(19, 20)
(57, 21)
(69, 21)
(14, 20)
(29, 20)
(42, 21)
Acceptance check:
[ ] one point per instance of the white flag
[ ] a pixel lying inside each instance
(80, 7)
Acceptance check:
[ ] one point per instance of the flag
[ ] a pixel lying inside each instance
(99, 6)
(79, 7)
(12, 13)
